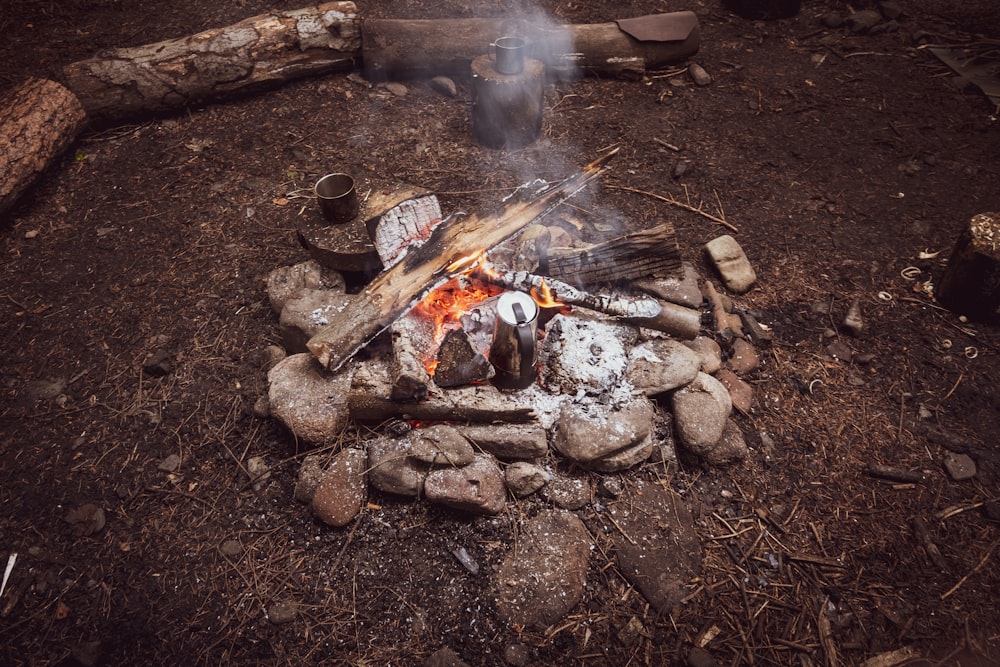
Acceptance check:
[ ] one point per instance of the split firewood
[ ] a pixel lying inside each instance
(459, 363)
(407, 222)
(640, 310)
(644, 254)
(38, 120)
(412, 334)
(451, 246)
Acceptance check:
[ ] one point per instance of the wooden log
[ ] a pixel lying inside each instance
(38, 120)
(507, 108)
(405, 223)
(255, 54)
(396, 48)
(644, 254)
(459, 239)
(971, 283)
(412, 335)
(459, 363)
(370, 400)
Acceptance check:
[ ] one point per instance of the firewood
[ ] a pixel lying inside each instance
(408, 221)
(257, 53)
(459, 363)
(38, 120)
(647, 253)
(411, 335)
(457, 240)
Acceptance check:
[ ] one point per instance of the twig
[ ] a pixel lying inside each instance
(985, 558)
(686, 206)
(920, 528)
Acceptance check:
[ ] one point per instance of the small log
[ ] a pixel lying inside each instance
(971, 283)
(397, 48)
(38, 120)
(409, 221)
(255, 54)
(639, 310)
(412, 335)
(453, 242)
(648, 253)
(507, 108)
(370, 400)
(895, 474)
(459, 363)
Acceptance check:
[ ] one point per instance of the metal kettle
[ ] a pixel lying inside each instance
(513, 352)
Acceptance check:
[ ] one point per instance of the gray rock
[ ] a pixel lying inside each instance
(310, 473)
(863, 21)
(342, 490)
(86, 520)
(890, 9)
(509, 441)
(744, 357)
(477, 487)
(661, 365)
(701, 410)
(568, 493)
(708, 352)
(273, 355)
(731, 447)
(699, 75)
(681, 168)
(170, 464)
(960, 467)
(305, 313)
(683, 291)
(396, 88)
(517, 655)
(740, 392)
(731, 262)
(840, 350)
(588, 435)
(308, 400)
(525, 478)
(391, 469)
(440, 445)
(444, 85)
(444, 657)
(585, 355)
(231, 549)
(284, 282)
(158, 363)
(282, 613)
(542, 580)
(259, 471)
(624, 459)
(656, 518)
(831, 20)
(610, 487)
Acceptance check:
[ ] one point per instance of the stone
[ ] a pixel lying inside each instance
(285, 281)
(544, 578)
(681, 168)
(87, 654)
(624, 459)
(731, 262)
(310, 401)
(587, 356)
(708, 351)
(305, 313)
(831, 20)
(744, 357)
(170, 464)
(731, 447)
(273, 355)
(683, 291)
(699, 75)
(740, 392)
(568, 493)
(517, 655)
(508, 441)
(478, 487)
(652, 519)
(610, 487)
(699, 657)
(701, 410)
(440, 445)
(523, 478)
(258, 471)
(853, 322)
(310, 474)
(840, 350)
(342, 491)
(283, 612)
(86, 520)
(863, 21)
(586, 434)
(231, 549)
(444, 85)
(661, 365)
(390, 468)
(959, 467)
(396, 88)
(261, 407)
(444, 657)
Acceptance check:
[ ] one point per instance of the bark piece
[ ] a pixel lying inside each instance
(38, 120)
(650, 253)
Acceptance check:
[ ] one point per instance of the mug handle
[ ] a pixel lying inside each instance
(492, 55)
(525, 341)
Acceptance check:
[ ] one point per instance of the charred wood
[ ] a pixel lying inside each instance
(648, 253)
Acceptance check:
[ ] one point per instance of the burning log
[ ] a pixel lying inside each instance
(640, 310)
(647, 253)
(458, 363)
(446, 252)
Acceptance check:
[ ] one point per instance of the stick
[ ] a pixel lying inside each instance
(687, 207)
(989, 552)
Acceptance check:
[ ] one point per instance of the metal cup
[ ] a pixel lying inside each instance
(513, 352)
(508, 54)
(337, 196)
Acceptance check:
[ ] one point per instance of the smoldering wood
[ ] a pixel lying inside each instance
(399, 48)
(970, 285)
(643, 311)
(370, 400)
(507, 108)
(38, 120)
(412, 335)
(408, 221)
(459, 363)
(650, 253)
(255, 54)
(427, 265)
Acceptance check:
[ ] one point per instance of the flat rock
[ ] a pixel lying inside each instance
(478, 487)
(523, 478)
(701, 410)
(440, 445)
(959, 467)
(683, 291)
(584, 356)
(305, 313)
(744, 357)
(86, 520)
(285, 281)
(391, 469)
(663, 553)
(740, 392)
(731, 262)
(624, 459)
(544, 578)
(661, 365)
(342, 490)
(708, 352)
(508, 441)
(586, 435)
(308, 400)
(310, 473)
(730, 448)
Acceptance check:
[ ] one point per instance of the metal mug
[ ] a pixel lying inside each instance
(337, 196)
(508, 54)
(513, 352)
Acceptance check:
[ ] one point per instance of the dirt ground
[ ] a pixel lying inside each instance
(840, 158)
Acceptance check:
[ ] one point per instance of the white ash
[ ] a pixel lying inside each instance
(584, 357)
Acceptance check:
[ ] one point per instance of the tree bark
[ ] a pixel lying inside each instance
(255, 54)
(38, 120)
(424, 266)
(647, 253)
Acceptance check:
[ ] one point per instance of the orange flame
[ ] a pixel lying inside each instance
(467, 263)
(543, 296)
(445, 307)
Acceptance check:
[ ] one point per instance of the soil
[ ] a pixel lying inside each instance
(841, 158)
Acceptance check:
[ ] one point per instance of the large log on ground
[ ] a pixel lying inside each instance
(38, 120)
(397, 48)
(255, 54)
(459, 239)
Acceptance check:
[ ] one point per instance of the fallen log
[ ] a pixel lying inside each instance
(647, 253)
(255, 54)
(38, 120)
(456, 240)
